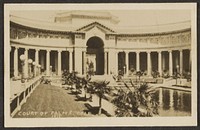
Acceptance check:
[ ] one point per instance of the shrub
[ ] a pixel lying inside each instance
(130, 101)
(155, 74)
(165, 74)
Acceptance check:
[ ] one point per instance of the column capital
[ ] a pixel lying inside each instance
(138, 52)
(16, 47)
(26, 48)
(70, 50)
(48, 50)
(170, 51)
(148, 52)
(84, 50)
(106, 50)
(127, 52)
(159, 51)
(37, 49)
(181, 50)
(59, 51)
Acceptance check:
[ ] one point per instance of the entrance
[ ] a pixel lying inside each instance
(95, 55)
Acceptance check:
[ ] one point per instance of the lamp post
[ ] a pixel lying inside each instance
(124, 70)
(30, 61)
(177, 73)
(39, 69)
(34, 69)
(50, 70)
(22, 58)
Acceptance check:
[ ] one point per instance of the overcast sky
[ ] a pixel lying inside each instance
(127, 18)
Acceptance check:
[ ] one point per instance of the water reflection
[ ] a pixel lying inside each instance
(173, 102)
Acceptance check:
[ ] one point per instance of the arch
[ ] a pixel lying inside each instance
(95, 55)
(95, 42)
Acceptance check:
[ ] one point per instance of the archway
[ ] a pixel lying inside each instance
(95, 55)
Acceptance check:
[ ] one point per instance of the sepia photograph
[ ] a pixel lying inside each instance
(100, 65)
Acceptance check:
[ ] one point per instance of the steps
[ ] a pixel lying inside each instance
(104, 78)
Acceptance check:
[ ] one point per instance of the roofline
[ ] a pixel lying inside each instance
(152, 34)
(80, 32)
(43, 30)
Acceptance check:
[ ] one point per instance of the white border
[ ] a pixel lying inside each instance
(101, 121)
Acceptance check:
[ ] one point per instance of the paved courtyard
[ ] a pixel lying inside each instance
(51, 101)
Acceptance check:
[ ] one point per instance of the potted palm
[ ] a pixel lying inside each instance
(85, 83)
(100, 88)
(138, 74)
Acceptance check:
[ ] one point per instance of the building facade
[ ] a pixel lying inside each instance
(79, 38)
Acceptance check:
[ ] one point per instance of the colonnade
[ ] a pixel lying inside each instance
(36, 61)
(149, 61)
(107, 61)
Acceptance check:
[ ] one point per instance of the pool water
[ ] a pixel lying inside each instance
(173, 102)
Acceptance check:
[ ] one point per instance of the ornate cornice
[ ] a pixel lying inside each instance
(150, 34)
(26, 29)
(19, 26)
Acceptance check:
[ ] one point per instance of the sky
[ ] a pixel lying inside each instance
(127, 17)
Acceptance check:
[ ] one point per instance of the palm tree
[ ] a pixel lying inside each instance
(100, 88)
(66, 78)
(90, 71)
(72, 79)
(77, 82)
(85, 83)
(155, 74)
(131, 99)
(139, 74)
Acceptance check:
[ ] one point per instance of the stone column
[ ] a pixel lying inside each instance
(181, 61)
(59, 62)
(42, 60)
(178, 98)
(137, 61)
(171, 99)
(108, 62)
(47, 63)
(16, 62)
(127, 62)
(105, 63)
(36, 61)
(70, 60)
(160, 97)
(36, 56)
(170, 63)
(116, 56)
(26, 63)
(84, 62)
(159, 63)
(149, 63)
(163, 61)
(190, 60)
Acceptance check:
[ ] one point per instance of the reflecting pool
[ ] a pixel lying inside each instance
(173, 102)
